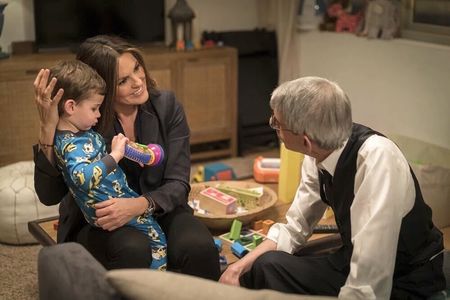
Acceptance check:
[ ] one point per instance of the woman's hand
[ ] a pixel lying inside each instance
(47, 107)
(116, 212)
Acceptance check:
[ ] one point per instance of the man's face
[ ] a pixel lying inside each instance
(291, 140)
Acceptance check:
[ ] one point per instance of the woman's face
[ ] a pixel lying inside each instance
(131, 85)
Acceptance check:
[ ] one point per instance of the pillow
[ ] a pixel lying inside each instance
(140, 284)
(19, 203)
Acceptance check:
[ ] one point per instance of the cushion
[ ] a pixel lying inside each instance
(68, 271)
(148, 284)
(19, 203)
(431, 164)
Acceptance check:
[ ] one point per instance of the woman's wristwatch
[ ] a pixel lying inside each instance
(151, 207)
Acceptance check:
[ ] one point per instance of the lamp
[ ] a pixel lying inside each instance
(181, 15)
(2, 19)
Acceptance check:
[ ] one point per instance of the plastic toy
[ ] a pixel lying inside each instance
(266, 170)
(290, 173)
(223, 260)
(151, 155)
(216, 202)
(218, 244)
(382, 19)
(235, 231)
(189, 45)
(238, 250)
(257, 239)
(214, 171)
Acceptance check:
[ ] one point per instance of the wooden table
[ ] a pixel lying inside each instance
(44, 230)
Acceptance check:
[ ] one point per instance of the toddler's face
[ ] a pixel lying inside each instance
(86, 112)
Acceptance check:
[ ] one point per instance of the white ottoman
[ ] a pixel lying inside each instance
(19, 203)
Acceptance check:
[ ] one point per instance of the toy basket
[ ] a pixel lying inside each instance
(223, 222)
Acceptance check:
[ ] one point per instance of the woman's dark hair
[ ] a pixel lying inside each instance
(102, 53)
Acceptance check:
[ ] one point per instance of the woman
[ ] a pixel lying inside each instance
(132, 106)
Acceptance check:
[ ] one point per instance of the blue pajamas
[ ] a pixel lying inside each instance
(93, 176)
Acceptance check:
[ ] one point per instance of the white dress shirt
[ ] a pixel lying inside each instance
(384, 193)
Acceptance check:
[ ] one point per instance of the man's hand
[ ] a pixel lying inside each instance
(234, 271)
(232, 274)
(116, 212)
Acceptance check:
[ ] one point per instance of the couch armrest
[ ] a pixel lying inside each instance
(69, 271)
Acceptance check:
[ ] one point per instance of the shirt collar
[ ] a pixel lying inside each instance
(329, 163)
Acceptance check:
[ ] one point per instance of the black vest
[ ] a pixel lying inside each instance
(419, 239)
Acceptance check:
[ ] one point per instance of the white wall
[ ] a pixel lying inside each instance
(396, 86)
(19, 23)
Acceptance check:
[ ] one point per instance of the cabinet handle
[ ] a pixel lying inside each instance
(193, 59)
(32, 71)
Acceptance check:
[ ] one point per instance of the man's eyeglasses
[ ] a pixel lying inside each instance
(275, 124)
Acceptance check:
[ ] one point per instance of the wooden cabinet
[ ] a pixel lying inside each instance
(204, 81)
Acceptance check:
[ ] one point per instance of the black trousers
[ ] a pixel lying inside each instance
(307, 275)
(190, 246)
(316, 275)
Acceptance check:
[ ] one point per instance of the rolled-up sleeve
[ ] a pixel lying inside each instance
(304, 213)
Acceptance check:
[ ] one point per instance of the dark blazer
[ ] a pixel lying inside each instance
(160, 120)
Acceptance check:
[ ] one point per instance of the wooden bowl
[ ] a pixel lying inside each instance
(223, 222)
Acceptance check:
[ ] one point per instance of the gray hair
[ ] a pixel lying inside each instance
(317, 107)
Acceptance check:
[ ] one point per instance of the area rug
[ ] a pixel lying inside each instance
(18, 276)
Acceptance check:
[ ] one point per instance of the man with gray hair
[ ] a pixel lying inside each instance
(391, 249)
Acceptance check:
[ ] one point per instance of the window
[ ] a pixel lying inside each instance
(426, 20)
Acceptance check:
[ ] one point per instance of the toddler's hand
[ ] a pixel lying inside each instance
(118, 147)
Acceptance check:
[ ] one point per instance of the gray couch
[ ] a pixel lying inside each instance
(68, 271)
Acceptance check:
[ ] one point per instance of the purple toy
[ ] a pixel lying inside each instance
(151, 155)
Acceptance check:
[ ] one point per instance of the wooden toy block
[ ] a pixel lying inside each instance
(56, 225)
(266, 226)
(257, 239)
(216, 202)
(257, 225)
(235, 231)
(247, 198)
(238, 250)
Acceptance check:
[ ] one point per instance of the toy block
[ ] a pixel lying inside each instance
(199, 175)
(218, 244)
(56, 225)
(238, 250)
(235, 231)
(266, 226)
(257, 225)
(216, 202)
(218, 171)
(257, 239)
(223, 260)
(247, 198)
